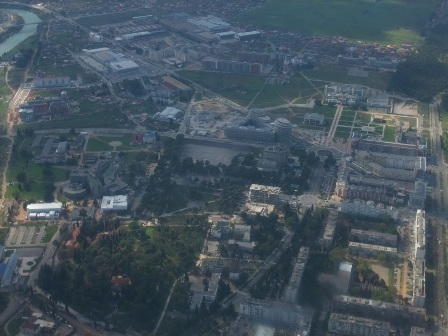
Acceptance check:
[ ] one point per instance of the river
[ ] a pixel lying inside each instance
(30, 28)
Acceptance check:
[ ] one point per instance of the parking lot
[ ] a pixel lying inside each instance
(20, 236)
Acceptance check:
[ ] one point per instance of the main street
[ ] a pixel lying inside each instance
(440, 211)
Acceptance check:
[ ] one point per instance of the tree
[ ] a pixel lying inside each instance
(21, 177)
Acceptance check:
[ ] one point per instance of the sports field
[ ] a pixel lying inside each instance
(383, 21)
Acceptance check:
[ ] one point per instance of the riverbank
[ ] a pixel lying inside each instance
(12, 28)
(40, 13)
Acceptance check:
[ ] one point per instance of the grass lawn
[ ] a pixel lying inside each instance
(71, 70)
(101, 143)
(50, 232)
(99, 20)
(389, 134)
(277, 94)
(342, 132)
(335, 73)
(363, 117)
(386, 21)
(240, 88)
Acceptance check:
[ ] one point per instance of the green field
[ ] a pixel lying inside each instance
(389, 134)
(339, 74)
(383, 21)
(101, 143)
(50, 232)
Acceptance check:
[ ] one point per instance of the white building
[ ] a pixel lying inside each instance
(114, 203)
(169, 113)
(44, 210)
(314, 119)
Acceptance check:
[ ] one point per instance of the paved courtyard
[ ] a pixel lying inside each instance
(21, 236)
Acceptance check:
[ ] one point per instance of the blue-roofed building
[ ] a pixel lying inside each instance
(2, 269)
(10, 268)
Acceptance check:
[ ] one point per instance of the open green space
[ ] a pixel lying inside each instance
(339, 74)
(50, 231)
(389, 134)
(294, 90)
(112, 18)
(386, 21)
(71, 70)
(411, 120)
(342, 132)
(237, 87)
(109, 116)
(101, 143)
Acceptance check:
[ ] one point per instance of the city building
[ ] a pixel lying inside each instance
(375, 146)
(50, 82)
(329, 231)
(369, 250)
(114, 203)
(220, 230)
(391, 166)
(44, 210)
(278, 313)
(226, 35)
(368, 209)
(417, 198)
(292, 289)
(53, 151)
(264, 194)
(416, 331)
(373, 237)
(273, 158)
(241, 232)
(357, 326)
(390, 312)
(210, 63)
(202, 293)
(283, 130)
(345, 277)
(420, 235)
(174, 84)
(314, 119)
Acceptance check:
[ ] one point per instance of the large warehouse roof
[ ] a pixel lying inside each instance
(38, 207)
(117, 203)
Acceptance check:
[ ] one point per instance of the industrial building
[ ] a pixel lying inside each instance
(370, 250)
(343, 324)
(169, 114)
(368, 209)
(247, 36)
(314, 119)
(264, 194)
(210, 23)
(174, 84)
(114, 203)
(226, 35)
(373, 237)
(329, 230)
(44, 210)
(391, 312)
(124, 66)
(292, 289)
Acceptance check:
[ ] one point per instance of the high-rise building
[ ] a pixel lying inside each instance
(283, 130)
